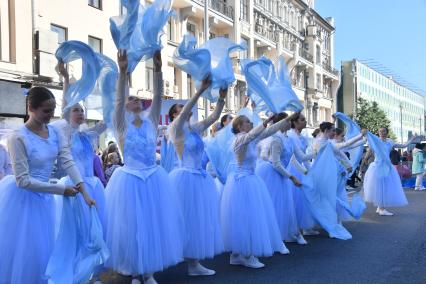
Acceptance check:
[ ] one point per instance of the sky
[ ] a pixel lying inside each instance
(390, 32)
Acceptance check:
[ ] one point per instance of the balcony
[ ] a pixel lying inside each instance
(220, 6)
(266, 33)
(330, 69)
(305, 54)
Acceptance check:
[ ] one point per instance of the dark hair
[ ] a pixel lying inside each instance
(173, 110)
(280, 116)
(419, 146)
(339, 131)
(295, 118)
(223, 119)
(316, 132)
(387, 130)
(326, 126)
(110, 142)
(237, 122)
(37, 95)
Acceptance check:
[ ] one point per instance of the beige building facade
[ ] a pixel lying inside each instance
(31, 33)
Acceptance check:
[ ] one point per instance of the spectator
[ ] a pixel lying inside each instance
(367, 159)
(418, 165)
(112, 163)
(112, 148)
(98, 169)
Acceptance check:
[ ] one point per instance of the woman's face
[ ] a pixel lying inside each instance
(246, 125)
(77, 114)
(383, 133)
(228, 120)
(340, 137)
(134, 104)
(300, 123)
(330, 133)
(45, 112)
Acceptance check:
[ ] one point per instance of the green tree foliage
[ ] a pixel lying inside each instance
(370, 116)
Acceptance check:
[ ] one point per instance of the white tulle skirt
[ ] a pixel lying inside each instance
(281, 193)
(199, 202)
(144, 226)
(96, 190)
(27, 221)
(305, 220)
(248, 219)
(383, 191)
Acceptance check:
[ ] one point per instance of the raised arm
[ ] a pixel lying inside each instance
(62, 70)
(275, 127)
(357, 144)
(96, 130)
(119, 120)
(402, 146)
(158, 91)
(206, 123)
(177, 124)
(349, 142)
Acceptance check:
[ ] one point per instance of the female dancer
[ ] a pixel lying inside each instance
(26, 201)
(305, 220)
(279, 151)
(196, 189)
(385, 191)
(142, 218)
(82, 142)
(249, 224)
(327, 132)
(339, 142)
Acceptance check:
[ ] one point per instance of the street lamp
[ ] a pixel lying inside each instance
(353, 74)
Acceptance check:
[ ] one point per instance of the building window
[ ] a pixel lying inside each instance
(189, 85)
(244, 53)
(149, 75)
(318, 53)
(190, 28)
(96, 44)
(170, 30)
(7, 31)
(61, 32)
(244, 10)
(319, 82)
(96, 4)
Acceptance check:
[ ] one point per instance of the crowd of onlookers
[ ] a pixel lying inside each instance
(111, 160)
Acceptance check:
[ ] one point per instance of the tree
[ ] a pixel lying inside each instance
(370, 116)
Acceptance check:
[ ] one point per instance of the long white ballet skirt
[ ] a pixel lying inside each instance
(248, 218)
(143, 221)
(199, 201)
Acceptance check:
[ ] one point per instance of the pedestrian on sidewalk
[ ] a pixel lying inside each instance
(418, 167)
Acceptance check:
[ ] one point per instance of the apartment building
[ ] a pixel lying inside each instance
(30, 34)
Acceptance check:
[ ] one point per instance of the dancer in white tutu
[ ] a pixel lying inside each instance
(305, 220)
(195, 187)
(279, 151)
(27, 208)
(344, 145)
(385, 190)
(82, 141)
(143, 223)
(248, 219)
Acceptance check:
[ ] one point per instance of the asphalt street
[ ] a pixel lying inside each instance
(384, 249)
